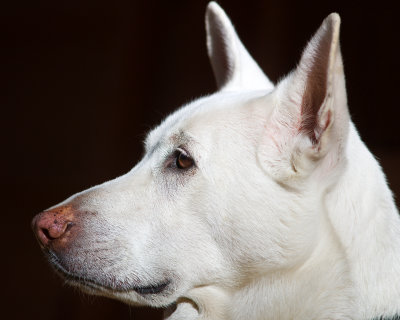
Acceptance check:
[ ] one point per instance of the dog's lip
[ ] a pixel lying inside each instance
(152, 289)
(155, 288)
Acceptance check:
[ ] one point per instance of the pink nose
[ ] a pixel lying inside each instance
(50, 226)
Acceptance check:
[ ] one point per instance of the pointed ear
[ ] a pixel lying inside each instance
(233, 67)
(310, 121)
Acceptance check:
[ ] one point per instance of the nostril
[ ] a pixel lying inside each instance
(47, 234)
(69, 226)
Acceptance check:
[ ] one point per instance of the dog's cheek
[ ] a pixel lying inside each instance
(189, 249)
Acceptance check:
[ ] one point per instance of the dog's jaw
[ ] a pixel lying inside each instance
(158, 292)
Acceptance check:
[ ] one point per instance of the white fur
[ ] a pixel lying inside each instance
(269, 224)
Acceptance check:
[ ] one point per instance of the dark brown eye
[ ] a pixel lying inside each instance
(183, 161)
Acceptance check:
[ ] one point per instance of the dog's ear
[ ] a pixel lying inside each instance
(310, 120)
(233, 67)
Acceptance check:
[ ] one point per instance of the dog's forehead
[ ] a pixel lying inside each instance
(203, 114)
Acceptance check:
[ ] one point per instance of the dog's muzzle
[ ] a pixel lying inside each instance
(61, 234)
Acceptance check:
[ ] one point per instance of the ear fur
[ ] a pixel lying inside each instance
(315, 73)
(233, 67)
(310, 119)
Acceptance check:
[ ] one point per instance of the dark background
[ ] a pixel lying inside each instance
(82, 81)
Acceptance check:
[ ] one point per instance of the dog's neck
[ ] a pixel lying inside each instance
(367, 223)
(322, 281)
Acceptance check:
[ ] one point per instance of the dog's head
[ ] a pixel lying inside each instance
(230, 185)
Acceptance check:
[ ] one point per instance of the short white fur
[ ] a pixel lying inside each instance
(286, 214)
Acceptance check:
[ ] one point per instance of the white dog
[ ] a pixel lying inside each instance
(257, 202)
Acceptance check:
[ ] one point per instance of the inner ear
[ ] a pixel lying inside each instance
(314, 73)
(316, 87)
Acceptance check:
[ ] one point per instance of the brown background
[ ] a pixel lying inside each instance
(82, 81)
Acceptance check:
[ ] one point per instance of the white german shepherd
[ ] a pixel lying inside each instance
(257, 202)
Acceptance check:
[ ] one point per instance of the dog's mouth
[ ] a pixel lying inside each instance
(152, 289)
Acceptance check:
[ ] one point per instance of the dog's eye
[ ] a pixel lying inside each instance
(183, 160)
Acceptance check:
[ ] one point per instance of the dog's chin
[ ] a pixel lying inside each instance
(156, 294)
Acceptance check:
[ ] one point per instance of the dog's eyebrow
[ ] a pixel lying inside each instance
(180, 137)
(176, 139)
